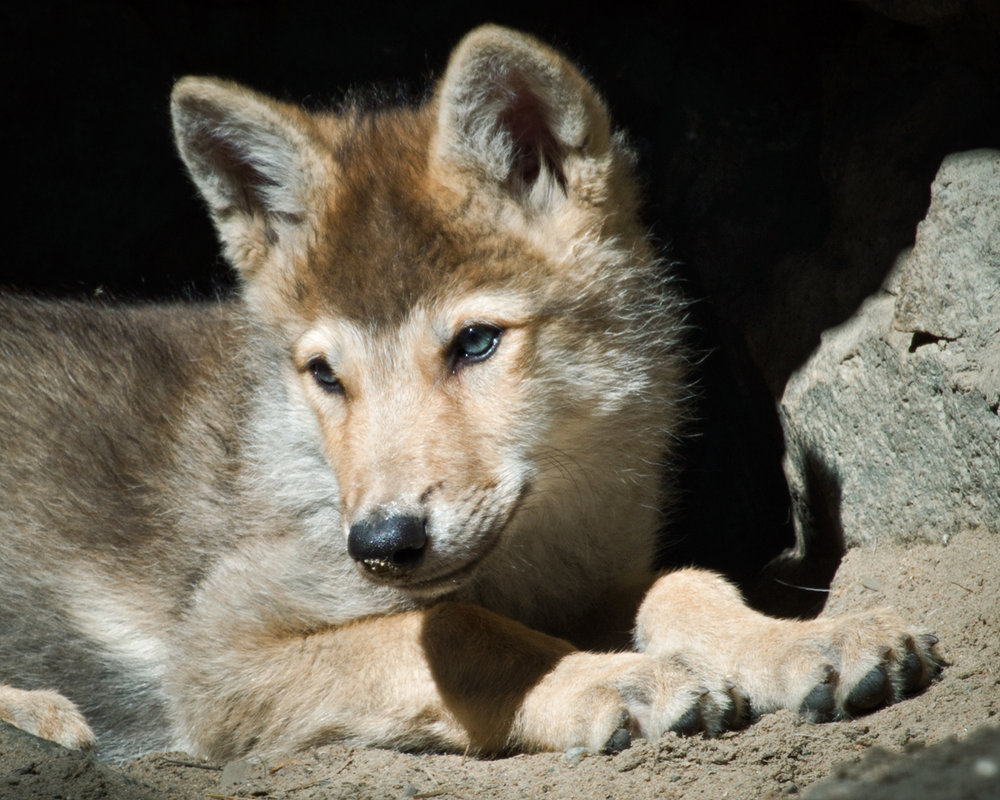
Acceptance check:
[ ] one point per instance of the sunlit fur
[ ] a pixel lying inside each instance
(178, 488)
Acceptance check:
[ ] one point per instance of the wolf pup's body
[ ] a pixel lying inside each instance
(373, 499)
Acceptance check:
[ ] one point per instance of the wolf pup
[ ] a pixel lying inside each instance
(385, 494)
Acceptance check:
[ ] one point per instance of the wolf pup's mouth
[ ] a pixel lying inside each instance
(404, 550)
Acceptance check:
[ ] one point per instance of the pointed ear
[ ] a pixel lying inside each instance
(254, 160)
(517, 113)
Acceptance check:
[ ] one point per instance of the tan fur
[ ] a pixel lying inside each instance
(375, 497)
(46, 714)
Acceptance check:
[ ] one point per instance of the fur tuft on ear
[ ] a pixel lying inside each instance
(251, 158)
(516, 113)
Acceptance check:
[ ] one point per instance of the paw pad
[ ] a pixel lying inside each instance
(620, 740)
(692, 721)
(820, 705)
(873, 691)
(899, 672)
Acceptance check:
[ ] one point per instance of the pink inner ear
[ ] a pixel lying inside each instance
(534, 144)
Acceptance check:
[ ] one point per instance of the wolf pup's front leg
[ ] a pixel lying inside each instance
(452, 677)
(824, 668)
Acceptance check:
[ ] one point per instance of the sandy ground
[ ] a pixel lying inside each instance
(942, 744)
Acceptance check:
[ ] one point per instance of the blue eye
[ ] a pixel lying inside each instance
(324, 376)
(473, 344)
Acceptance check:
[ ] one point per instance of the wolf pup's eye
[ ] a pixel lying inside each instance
(324, 376)
(474, 343)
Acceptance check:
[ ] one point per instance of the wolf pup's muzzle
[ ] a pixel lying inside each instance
(388, 545)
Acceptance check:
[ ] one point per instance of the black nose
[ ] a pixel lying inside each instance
(388, 544)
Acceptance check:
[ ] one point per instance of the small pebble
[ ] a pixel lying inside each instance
(986, 768)
(234, 773)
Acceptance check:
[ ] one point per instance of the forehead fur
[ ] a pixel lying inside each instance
(393, 232)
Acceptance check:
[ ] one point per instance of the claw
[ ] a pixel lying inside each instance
(737, 715)
(911, 669)
(937, 663)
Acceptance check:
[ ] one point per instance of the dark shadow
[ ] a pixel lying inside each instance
(731, 508)
(781, 571)
(735, 514)
(797, 583)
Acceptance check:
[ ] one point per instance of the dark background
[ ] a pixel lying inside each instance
(787, 147)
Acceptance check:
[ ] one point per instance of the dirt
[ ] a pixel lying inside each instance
(944, 743)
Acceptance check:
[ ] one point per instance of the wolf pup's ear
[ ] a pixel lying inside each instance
(253, 159)
(514, 112)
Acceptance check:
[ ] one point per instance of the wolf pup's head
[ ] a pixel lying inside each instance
(468, 304)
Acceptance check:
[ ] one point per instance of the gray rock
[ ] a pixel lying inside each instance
(968, 769)
(235, 773)
(949, 282)
(892, 426)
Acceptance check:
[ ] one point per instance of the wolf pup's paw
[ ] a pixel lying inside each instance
(833, 668)
(848, 666)
(825, 668)
(602, 701)
(48, 715)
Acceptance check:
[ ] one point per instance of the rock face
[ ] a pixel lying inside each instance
(969, 769)
(892, 424)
